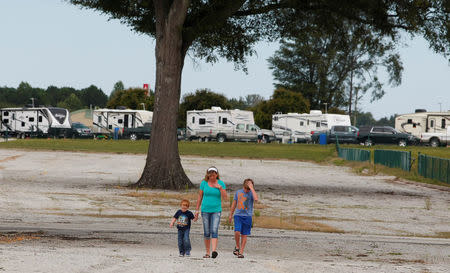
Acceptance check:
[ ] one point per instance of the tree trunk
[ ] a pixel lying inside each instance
(163, 169)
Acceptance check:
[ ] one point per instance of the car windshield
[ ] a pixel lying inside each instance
(79, 125)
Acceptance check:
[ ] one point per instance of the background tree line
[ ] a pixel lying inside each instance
(65, 97)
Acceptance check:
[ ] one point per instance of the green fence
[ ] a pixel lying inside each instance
(393, 159)
(434, 167)
(354, 154)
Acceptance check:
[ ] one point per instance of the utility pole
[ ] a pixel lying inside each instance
(440, 106)
(143, 105)
(325, 107)
(32, 102)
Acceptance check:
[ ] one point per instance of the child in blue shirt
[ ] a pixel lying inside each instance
(243, 204)
(183, 218)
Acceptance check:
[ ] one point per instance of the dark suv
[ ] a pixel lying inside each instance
(79, 130)
(370, 135)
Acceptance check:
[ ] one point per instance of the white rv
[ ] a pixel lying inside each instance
(35, 121)
(106, 120)
(423, 122)
(301, 126)
(217, 123)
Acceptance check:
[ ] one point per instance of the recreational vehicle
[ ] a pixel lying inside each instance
(301, 126)
(423, 122)
(35, 121)
(105, 121)
(217, 123)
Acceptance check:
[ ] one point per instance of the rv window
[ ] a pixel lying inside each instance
(377, 130)
(432, 123)
(409, 121)
(251, 127)
(317, 124)
(110, 127)
(193, 119)
(224, 121)
(201, 121)
(443, 123)
(23, 124)
(307, 122)
(240, 127)
(99, 120)
(6, 113)
(275, 118)
(31, 119)
(220, 119)
(301, 123)
(5, 120)
(40, 119)
(120, 121)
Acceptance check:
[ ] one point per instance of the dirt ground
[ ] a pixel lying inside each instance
(71, 212)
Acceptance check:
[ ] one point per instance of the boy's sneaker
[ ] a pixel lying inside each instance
(181, 255)
(188, 254)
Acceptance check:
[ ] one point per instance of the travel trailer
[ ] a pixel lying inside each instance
(300, 126)
(423, 122)
(221, 125)
(105, 121)
(35, 122)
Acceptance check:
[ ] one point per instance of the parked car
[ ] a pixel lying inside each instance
(370, 135)
(142, 132)
(79, 130)
(436, 139)
(344, 134)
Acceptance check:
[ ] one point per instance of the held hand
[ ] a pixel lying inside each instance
(171, 224)
(230, 218)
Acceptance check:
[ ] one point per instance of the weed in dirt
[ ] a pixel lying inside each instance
(427, 203)
(395, 253)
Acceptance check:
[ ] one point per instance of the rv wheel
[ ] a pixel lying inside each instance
(221, 138)
(133, 137)
(402, 143)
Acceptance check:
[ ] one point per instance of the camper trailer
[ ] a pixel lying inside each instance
(221, 125)
(423, 122)
(300, 126)
(105, 121)
(35, 122)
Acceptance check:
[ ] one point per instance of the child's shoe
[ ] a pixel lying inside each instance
(188, 254)
(181, 255)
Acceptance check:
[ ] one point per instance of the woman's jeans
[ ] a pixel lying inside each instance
(211, 221)
(184, 244)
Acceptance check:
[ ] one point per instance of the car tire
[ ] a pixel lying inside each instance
(402, 143)
(221, 138)
(368, 142)
(434, 142)
(133, 137)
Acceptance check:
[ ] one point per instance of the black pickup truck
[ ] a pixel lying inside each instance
(142, 132)
(370, 135)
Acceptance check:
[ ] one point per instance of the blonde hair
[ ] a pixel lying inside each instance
(185, 201)
(207, 175)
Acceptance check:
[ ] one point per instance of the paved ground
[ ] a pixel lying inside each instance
(69, 212)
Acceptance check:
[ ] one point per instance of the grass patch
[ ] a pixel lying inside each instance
(316, 153)
(292, 223)
(7, 238)
(112, 216)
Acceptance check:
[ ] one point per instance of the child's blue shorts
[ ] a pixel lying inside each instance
(243, 224)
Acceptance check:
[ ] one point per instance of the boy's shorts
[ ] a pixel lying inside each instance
(243, 224)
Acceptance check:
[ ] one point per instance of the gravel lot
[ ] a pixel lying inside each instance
(72, 213)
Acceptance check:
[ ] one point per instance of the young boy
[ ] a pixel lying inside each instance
(183, 218)
(243, 203)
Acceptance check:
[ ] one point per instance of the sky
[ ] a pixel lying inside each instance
(50, 42)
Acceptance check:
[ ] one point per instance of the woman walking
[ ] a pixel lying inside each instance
(212, 192)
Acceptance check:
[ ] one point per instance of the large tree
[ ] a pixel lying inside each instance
(211, 29)
(328, 64)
